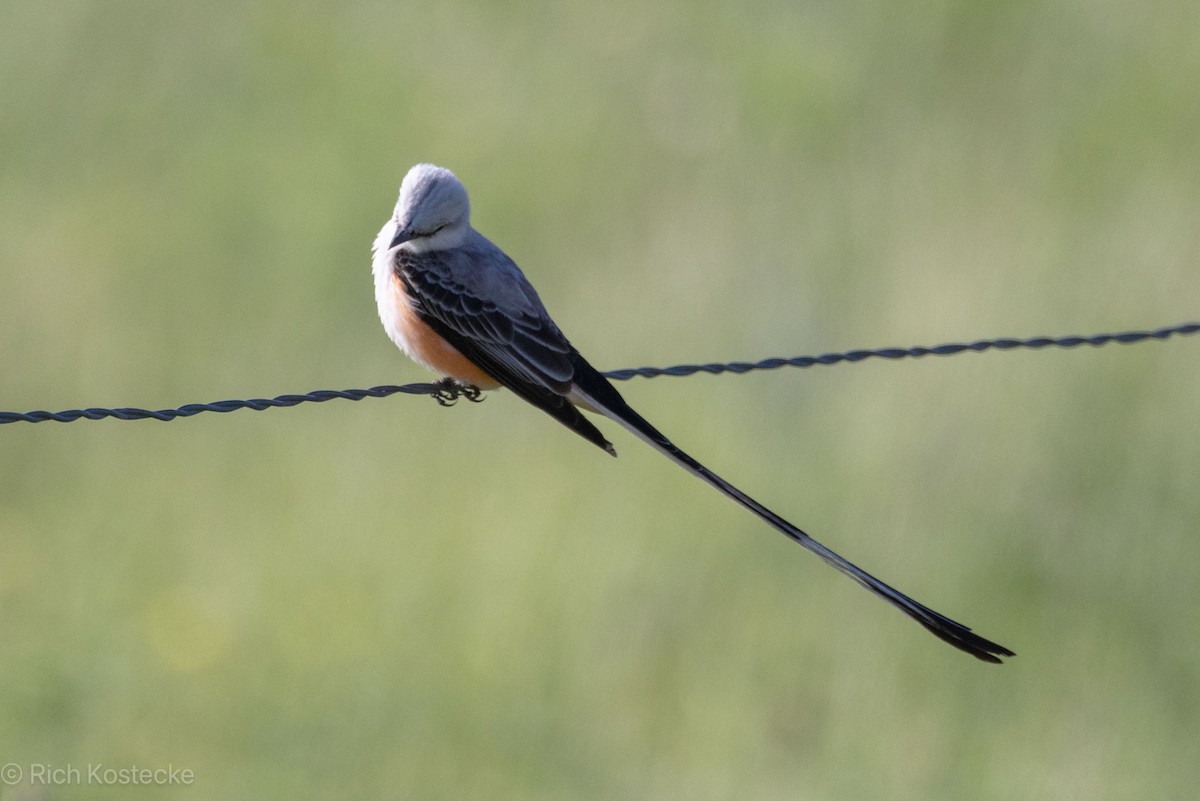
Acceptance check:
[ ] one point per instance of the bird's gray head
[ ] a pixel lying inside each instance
(433, 211)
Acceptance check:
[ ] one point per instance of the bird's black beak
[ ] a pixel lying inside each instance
(402, 236)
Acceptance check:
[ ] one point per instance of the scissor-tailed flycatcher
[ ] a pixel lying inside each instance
(457, 304)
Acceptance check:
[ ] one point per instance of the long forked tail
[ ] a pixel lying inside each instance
(956, 634)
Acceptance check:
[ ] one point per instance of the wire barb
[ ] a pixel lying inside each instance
(447, 393)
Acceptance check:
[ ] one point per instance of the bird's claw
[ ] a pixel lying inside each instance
(448, 391)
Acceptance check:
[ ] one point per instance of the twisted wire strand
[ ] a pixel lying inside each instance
(446, 393)
(854, 356)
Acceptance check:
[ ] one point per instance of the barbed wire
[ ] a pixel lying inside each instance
(446, 393)
(1095, 340)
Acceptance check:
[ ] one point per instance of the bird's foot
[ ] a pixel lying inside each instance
(449, 390)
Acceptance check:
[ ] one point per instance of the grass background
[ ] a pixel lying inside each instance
(389, 599)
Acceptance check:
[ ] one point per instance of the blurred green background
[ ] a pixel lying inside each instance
(390, 599)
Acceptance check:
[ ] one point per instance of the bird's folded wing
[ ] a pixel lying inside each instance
(515, 343)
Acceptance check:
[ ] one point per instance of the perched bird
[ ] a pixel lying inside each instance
(455, 303)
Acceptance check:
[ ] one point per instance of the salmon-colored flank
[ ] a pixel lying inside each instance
(429, 348)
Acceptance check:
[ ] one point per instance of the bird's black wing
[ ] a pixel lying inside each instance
(517, 344)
